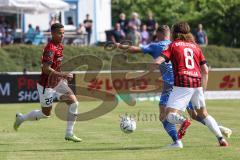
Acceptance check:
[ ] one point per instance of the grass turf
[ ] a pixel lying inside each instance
(44, 140)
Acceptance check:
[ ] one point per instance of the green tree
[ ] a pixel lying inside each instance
(220, 18)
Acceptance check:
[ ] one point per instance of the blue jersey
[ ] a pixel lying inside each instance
(155, 50)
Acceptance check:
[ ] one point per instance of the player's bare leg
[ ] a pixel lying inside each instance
(224, 130)
(162, 112)
(212, 125)
(71, 100)
(45, 112)
(34, 115)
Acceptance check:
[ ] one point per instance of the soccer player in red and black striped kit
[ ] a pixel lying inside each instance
(53, 83)
(190, 80)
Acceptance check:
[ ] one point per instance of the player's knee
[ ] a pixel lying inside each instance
(193, 115)
(46, 112)
(70, 98)
(171, 117)
(202, 113)
(74, 107)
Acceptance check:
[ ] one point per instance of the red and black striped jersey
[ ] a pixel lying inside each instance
(52, 55)
(187, 58)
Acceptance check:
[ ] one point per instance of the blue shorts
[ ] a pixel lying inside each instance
(167, 89)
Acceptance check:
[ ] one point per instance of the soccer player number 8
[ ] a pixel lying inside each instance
(188, 53)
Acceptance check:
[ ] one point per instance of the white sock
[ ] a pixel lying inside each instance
(213, 126)
(175, 118)
(34, 115)
(73, 110)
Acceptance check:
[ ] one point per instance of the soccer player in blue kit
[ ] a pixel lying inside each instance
(155, 50)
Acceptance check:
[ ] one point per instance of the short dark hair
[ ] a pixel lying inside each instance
(56, 26)
(164, 29)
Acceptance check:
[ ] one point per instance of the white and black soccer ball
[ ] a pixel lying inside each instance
(127, 125)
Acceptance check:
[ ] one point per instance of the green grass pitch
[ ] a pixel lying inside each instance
(103, 140)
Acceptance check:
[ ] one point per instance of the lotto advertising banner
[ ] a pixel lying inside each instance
(105, 86)
(139, 84)
(19, 88)
(220, 80)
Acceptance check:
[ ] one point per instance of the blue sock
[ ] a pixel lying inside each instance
(170, 129)
(199, 119)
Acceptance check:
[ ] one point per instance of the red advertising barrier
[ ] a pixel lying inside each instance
(19, 88)
(224, 80)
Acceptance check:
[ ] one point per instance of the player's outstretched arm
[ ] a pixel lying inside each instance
(204, 72)
(130, 49)
(134, 49)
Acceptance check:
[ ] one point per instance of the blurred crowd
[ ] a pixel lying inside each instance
(143, 31)
(34, 36)
(134, 29)
(138, 31)
(9, 33)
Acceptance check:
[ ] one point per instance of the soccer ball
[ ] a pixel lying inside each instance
(127, 125)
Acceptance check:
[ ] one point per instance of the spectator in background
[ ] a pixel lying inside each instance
(8, 39)
(144, 35)
(156, 26)
(88, 25)
(123, 22)
(154, 36)
(117, 34)
(3, 22)
(2, 29)
(151, 24)
(17, 34)
(135, 21)
(2, 34)
(54, 19)
(38, 37)
(29, 37)
(81, 29)
(201, 36)
(134, 35)
(81, 32)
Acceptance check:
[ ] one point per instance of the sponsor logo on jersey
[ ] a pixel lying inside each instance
(59, 59)
(49, 54)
